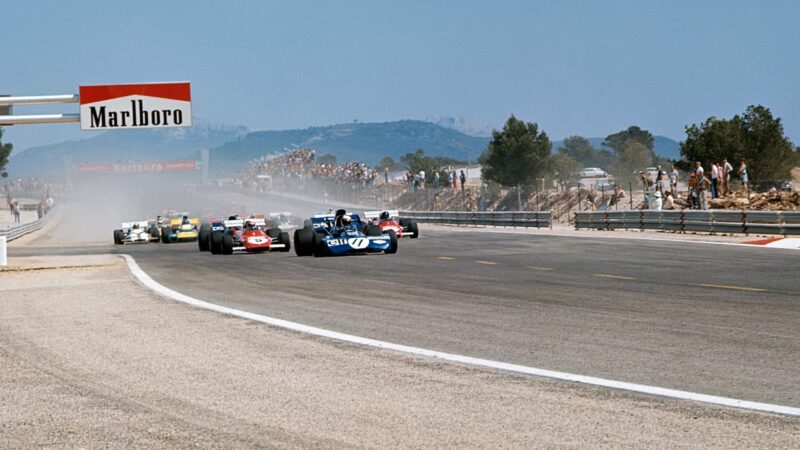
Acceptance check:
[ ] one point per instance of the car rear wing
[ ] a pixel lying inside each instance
(142, 224)
(393, 213)
(239, 223)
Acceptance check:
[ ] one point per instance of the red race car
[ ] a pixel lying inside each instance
(248, 235)
(390, 220)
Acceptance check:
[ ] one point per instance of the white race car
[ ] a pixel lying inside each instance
(136, 233)
(283, 220)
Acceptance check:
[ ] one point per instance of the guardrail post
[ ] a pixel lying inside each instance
(3, 254)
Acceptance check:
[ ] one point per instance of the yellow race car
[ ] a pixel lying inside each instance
(183, 229)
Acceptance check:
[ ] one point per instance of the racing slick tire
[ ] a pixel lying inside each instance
(215, 244)
(392, 242)
(319, 246)
(203, 238)
(283, 238)
(404, 223)
(227, 244)
(373, 230)
(274, 233)
(155, 235)
(414, 229)
(304, 241)
(165, 235)
(118, 237)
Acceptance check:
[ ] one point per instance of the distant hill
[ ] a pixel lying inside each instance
(466, 126)
(147, 145)
(368, 142)
(662, 146)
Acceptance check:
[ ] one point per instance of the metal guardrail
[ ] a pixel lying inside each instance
(710, 221)
(522, 219)
(22, 230)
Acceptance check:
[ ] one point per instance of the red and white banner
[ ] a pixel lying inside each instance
(151, 105)
(166, 166)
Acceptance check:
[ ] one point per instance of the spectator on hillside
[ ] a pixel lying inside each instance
(454, 179)
(16, 211)
(673, 180)
(658, 202)
(436, 179)
(463, 178)
(645, 180)
(386, 175)
(659, 178)
(692, 194)
(702, 186)
(745, 178)
(698, 168)
(714, 179)
(727, 169)
(669, 200)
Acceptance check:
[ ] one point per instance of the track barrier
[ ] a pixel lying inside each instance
(709, 221)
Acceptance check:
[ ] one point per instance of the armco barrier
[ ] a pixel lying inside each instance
(709, 221)
(522, 219)
(22, 230)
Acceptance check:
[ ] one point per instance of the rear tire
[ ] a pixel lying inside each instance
(202, 239)
(227, 244)
(404, 223)
(304, 241)
(118, 237)
(165, 234)
(392, 243)
(319, 246)
(283, 238)
(414, 229)
(216, 243)
(274, 233)
(155, 235)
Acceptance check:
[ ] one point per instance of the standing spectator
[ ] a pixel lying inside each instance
(40, 209)
(386, 175)
(745, 178)
(455, 179)
(673, 180)
(727, 169)
(698, 168)
(714, 179)
(451, 179)
(645, 180)
(702, 186)
(692, 194)
(16, 211)
(659, 178)
(422, 179)
(463, 178)
(590, 200)
(436, 179)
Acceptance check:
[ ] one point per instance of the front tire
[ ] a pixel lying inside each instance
(304, 241)
(414, 229)
(319, 246)
(118, 237)
(154, 234)
(227, 244)
(392, 243)
(165, 235)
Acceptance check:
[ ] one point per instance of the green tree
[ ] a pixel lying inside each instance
(326, 159)
(581, 150)
(563, 167)
(516, 155)
(616, 141)
(755, 136)
(388, 161)
(418, 160)
(633, 157)
(5, 152)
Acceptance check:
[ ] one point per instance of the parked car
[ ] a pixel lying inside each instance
(592, 172)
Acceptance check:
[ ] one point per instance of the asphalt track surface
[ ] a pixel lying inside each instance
(712, 319)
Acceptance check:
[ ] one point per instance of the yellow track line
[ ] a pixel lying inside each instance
(540, 268)
(735, 288)
(445, 258)
(613, 277)
(488, 263)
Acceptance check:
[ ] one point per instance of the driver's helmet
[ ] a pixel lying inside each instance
(249, 225)
(232, 218)
(136, 226)
(185, 220)
(385, 215)
(346, 221)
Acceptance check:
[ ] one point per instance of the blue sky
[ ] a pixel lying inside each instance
(575, 67)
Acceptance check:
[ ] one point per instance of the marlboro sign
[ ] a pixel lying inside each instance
(151, 105)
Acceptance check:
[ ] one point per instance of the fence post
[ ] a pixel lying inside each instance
(630, 194)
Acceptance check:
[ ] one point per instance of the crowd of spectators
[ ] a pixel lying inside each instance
(302, 164)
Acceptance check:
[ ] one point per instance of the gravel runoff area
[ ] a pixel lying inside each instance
(90, 358)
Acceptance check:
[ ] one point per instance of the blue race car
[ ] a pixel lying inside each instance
(342, 234)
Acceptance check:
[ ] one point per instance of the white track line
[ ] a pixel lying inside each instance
(145, 279)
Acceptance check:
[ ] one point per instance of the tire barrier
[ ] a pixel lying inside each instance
(709, 221)
(522, 219)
